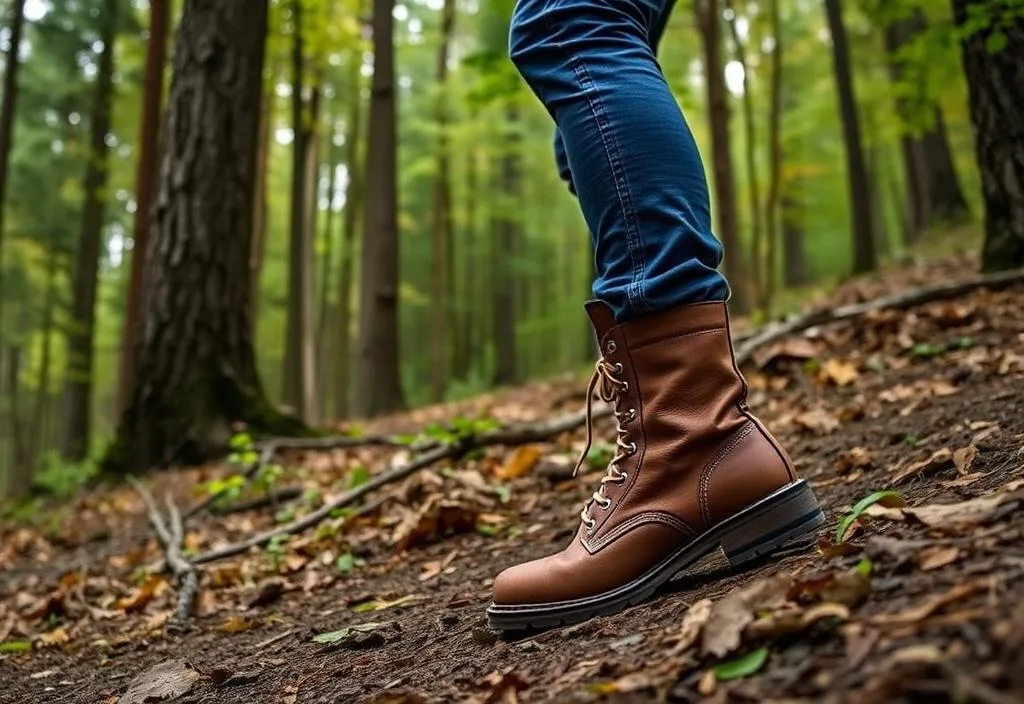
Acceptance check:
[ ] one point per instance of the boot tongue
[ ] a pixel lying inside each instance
(602, 318)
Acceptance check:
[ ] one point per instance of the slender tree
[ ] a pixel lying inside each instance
(299, 358)
(78, 392)
(508, 232)
(863, 245)
(708, 14)
(441, 271)
(378, 380)
(8, 103)
(771, 206)
(993, 58)
(195, 371)
(145, 175)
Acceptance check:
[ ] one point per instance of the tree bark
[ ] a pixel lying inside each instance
(299, 377)
(508, 236)
(441, 270)
(708, 15)
(145, 175)
(863, 245)
(78, 393)
(326, 362)
(259, 212)
(933, 187)
(379, 381)
(195, 368)
(7, 107)
(993, 60)
(771, 215)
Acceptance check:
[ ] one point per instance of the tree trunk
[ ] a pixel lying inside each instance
(45, 357)
(326, 362)
(195, 368)
(708, 16)
(758, 277)
(994, 63)
(463, 322)
(7, 108)
(863, 244)
(771, 215)
(441, 270)
(259, 212)
(933, 188)
(508, 236)
(379, 381)
(78, 399)
(299, 380)
(145, 175)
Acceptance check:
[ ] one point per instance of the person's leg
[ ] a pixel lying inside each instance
(635, 165)
(656, 33)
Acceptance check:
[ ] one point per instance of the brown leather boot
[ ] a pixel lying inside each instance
(696, 476)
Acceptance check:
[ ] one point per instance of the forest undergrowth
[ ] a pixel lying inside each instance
(906, 422)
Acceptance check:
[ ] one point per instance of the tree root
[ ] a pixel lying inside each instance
(171, 534)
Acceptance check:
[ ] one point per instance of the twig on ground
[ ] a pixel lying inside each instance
(171, 534)
(277, 496)
(759, 337)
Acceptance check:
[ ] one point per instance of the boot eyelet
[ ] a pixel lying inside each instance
(618, 367)
(623, 476)
(632, 448)
(631, 416)
(611, 347)
(625, 386)
(607, 504)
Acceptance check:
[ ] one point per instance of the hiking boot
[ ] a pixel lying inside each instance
(697, 483)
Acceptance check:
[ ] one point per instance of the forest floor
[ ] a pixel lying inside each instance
(920, 602)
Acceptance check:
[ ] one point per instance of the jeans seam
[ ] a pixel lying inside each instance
(634, 292)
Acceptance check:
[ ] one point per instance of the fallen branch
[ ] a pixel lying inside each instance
(274, 498)
(760, 337)
(171, 535)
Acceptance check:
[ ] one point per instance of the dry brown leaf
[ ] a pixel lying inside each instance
(793, 619)
(52, 605)
(140, 598)
(850, 588)
(502, 687)
(939, 460)
(723, 631)
(694, 621)
(798, 348)
(964, 458)
(964, 515)
(58, 636)
(817, 420)
(923, 611)
(521, 462)
(165, 681)
(235, 624)
(932, 558)
(838, 372)
(437, 517)
(853, 458)
(229, 575)
(270, 591)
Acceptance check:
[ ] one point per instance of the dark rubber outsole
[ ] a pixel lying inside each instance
(781, 523)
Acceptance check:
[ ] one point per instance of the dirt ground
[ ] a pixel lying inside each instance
(919, 603)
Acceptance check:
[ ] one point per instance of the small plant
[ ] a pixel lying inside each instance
(62, 478)
(600, 455)
(890, 499)
(276, 551)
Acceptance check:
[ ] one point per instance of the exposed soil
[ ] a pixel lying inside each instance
(925, 402)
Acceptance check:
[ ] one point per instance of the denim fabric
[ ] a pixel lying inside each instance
(632, 160)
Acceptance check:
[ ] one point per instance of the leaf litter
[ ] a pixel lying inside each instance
(904, 602)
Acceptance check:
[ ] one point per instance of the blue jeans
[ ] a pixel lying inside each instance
(627, 152)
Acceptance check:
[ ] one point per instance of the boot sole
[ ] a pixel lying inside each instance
(781, 523)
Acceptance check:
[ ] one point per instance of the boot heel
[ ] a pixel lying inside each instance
(782, 523)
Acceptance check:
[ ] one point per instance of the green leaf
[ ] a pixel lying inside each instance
(16, 646)
(240, 441)
(344, 635)
(864, 567)
(358, 475)
(890, 499)
(996, 42)
(346, 563)
(742, 667)
(926, 350)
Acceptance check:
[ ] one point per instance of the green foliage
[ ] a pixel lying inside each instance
(883, 498)
(275, 551)
(744, 666)
(62, 478)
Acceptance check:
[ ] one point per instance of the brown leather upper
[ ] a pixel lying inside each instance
(700, 456)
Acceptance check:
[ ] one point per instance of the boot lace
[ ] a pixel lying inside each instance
(610, 388)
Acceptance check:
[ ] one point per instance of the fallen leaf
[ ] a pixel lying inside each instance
(937, 556)
(730, 616)
(964, 515)
(850, 588)
(798, 348)
(838, 372)
(16, 646)
(436, 518)
(694, 621)
(235, 624)
(51, 606)
(162, 682)
(923, 611)
(375, 605)
(633, 682)
(939, 460)
(742, 667)
(270, 591)
(140, 598)
(964, 458)
(853, 458)
(58, 636)
(793, 619)
(503, 686)
(349, 634)
(521, 462)
(818, 421)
